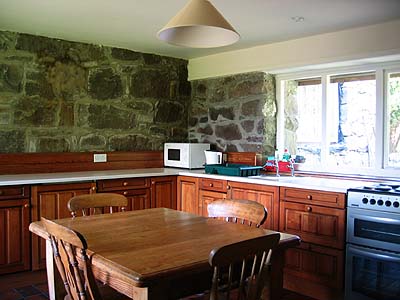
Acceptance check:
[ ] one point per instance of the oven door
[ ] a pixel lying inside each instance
(371, 274)
(373, 229)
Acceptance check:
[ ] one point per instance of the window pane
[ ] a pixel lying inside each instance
(394, 119)
(303, 118)
(351, 111)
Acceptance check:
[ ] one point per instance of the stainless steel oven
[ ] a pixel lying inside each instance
(373, 243)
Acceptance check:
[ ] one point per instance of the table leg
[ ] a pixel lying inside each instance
(277, 265)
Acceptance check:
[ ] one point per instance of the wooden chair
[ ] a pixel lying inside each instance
(96, 203)
(253, 255)
(238, 211)
(69, 249)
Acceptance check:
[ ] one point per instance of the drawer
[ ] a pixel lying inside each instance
(313, 223)
(214, 185)
(123, 184)
(14, 192)
(329, 199)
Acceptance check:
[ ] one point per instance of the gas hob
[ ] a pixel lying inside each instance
(380, 197)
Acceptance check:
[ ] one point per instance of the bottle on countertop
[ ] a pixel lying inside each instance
(286, 156)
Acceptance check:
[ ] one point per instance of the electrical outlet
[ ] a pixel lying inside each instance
(99, 158)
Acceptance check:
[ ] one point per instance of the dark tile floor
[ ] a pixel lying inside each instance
(33, 286)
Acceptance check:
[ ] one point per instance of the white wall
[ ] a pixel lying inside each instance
(371, 42)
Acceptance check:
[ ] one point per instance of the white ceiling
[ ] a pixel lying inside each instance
(133, 24)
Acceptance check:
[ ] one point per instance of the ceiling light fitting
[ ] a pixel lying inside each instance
(199, 25)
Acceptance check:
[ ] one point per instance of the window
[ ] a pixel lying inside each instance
(341, 120)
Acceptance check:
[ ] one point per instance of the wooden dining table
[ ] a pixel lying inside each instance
(158, 253)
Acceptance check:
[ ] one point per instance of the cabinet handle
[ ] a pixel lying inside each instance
(93, 188)
(26, 205)
(125, 193)
(153, 182)
(211, 185)
(228, 187)
(125, 183)
(309, 208)
(309, 197)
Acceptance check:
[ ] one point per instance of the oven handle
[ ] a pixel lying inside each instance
(374, 219)
(372, 254)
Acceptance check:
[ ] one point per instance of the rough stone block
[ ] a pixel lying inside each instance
(150, 84)
(169, 112)
(7, 40)
(253, 108)
(129, 143)
(247, 125)
(53, 144)
(225, 112)
(92, 142)
(105, 84)
(123, 54)
(35, 111)
(11, 77)
(104, 116)
(206, 130)
(67, 79)
(38, 85)
(151, 59)
(12, 141)
(228, 132)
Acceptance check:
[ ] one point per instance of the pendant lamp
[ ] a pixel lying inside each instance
(198, 25)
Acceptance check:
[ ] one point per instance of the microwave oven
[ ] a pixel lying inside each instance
(185, 155)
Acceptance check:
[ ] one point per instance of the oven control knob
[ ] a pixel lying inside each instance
(372, 201)
(388, 203)
(364, 200)
(380, 202)
(396, 204)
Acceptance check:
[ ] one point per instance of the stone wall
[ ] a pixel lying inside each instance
(60, 96)
(235, 113)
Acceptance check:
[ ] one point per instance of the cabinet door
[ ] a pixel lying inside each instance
(206, 197)
(137, 199)
(14, 236)
(266, 195)
(314, 224)
(163, 192)
(188, 199)
(315, 271)
(50, 201)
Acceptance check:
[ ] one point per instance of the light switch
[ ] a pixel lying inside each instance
(99, 158)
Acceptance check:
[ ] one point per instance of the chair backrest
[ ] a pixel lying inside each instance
(238, 211)
(250, 258)
(69, 250)
(96, 203)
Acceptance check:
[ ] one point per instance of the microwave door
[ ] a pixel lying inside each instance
(174, 154)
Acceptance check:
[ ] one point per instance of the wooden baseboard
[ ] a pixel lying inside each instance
(28, 163)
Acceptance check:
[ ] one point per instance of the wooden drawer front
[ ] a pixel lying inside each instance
(314, 224)
(121, 184)
(329, 199)
(14, 192)
(315, 263)
(213, 185)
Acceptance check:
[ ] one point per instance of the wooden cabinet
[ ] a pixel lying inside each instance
(136, 190)
(163, 192)
(14, 232)
(316, 268)
(264, 194)
(210, 190)
(188, 194)
(50, 201)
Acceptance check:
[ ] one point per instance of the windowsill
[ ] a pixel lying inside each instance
(363, 174)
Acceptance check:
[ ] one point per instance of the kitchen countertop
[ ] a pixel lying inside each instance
(323, 184)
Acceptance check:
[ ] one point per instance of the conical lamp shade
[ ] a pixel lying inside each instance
(198, 25)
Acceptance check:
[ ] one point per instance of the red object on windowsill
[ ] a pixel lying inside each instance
(283, 166)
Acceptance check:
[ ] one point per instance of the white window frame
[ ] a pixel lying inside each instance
(382, 131)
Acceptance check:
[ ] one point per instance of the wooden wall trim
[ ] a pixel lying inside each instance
(28, 163)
